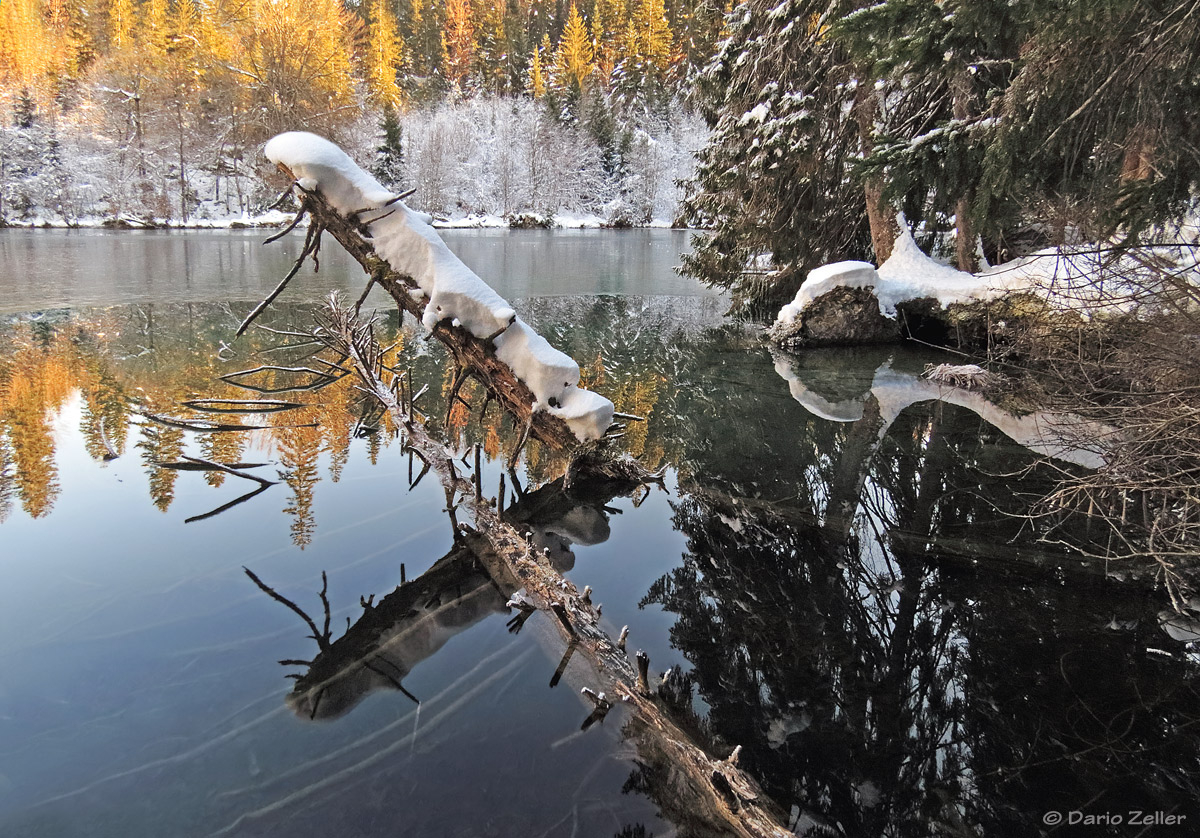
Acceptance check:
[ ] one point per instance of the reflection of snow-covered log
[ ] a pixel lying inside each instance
(395, 634)
(1055, 435)
(557, 519)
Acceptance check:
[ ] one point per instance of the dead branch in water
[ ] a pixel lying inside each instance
(714, 790)
(204, 466)
(225, 507)
(240, 405)
(322, 638)
(262, 481)
(202, 427)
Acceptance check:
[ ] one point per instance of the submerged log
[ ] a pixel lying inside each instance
(714, 796)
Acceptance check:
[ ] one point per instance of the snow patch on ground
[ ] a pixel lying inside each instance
(404, 239)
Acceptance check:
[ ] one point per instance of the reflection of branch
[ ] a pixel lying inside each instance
(110, 453)
(225, 506)
(324, 379)
(262, 481)
(240, 405)
(202, 466)
(321, 638)
(202, 427)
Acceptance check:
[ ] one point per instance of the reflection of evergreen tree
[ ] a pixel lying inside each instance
(299, 452)
(103, 401)
(34, 382)
(161, 445)
(221, 448)
(863, 688)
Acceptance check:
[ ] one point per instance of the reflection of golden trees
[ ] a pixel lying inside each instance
(160, 444)
(299, 452)
(35, 381)
(635, 391)
(166, 357)
(221, 448)
(334, 416)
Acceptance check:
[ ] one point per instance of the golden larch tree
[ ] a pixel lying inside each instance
(458, 41)
(574, 61)
(385, 56)
(25, 48)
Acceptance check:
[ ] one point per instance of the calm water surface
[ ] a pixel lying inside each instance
(835, 571)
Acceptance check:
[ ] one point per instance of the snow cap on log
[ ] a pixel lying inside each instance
(401, 236)
(406, 241)
(546, 371)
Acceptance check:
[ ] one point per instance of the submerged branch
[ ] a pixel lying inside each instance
(721, 792)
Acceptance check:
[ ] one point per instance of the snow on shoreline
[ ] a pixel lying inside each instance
(406, 241)
(280, 218)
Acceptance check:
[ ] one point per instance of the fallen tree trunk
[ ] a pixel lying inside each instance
(713, 796)
(474, 357)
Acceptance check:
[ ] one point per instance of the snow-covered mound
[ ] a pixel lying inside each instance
(911, 275)
(1083, 278)
(907, 275)
(404, 239)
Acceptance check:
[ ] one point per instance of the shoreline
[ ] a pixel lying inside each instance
(276, 219)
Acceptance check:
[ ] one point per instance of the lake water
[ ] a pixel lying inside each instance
(840, 568)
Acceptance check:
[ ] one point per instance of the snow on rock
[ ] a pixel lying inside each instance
(907, 275)
(406, 241)
(824, 279)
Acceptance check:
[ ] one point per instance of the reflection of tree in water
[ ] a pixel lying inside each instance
(886, 690)
(299, 451)
(35, 381)
(159, 444)
(153, 357)
(221, 448)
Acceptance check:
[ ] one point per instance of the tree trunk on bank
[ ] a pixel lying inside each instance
(966, 252)
(880, 216)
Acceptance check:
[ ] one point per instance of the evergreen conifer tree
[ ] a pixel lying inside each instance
(775, 181)
(389, 156)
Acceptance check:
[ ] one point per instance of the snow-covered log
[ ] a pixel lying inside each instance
(402, 254)
(854, 302)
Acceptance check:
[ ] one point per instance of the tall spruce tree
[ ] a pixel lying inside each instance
(934, 68)
(389, 156)
(775, 181)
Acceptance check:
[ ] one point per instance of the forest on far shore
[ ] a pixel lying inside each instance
(155, 109)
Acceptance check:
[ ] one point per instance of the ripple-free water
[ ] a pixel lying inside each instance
(854, 602)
